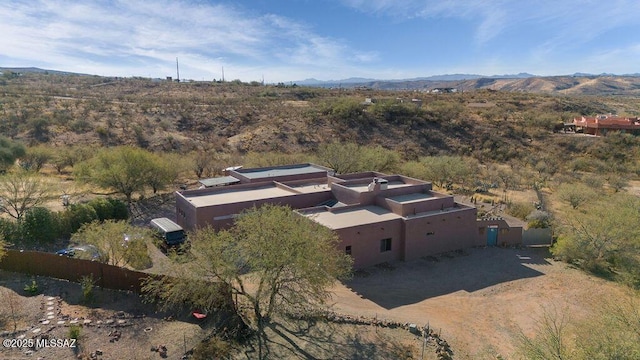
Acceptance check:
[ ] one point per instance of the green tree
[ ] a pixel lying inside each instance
(40, 225)
(9, 152)
(21, 191)
(341, 157)
(347, 158)
(109, 209)
(167, 168)
(116, 248)
(602, 238)
(611, 333)
(444, 171)
(576, 194)
(62, 158)
(126, 170)
(294, 275)
(75, 216)
(36, 157)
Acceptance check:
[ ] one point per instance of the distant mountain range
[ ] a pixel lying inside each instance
(575, 84)
(36, 70)
(448, 77)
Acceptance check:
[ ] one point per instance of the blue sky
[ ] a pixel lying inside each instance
(288, 40)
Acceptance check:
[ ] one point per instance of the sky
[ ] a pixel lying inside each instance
(293, 40)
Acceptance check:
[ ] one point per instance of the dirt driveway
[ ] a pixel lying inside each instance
(479, 298)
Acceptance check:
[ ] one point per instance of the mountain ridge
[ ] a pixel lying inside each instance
(574, 84)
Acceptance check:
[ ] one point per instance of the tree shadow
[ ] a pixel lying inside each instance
(317, 339)
(470, 270)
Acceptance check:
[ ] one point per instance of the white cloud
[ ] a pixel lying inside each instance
(63, 34)
(571, 20)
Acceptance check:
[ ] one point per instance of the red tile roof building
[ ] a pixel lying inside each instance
(601, 124)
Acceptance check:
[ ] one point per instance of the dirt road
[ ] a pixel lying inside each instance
(479, 298)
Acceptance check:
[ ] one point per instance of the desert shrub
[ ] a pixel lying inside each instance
(35, 158)
(520, 209)
(109, 208)
(87, 284)
(593, 181)
(80, 126)
(346, 109)
(40, 225)
(39, 128)
(213, 348)
(103, 208)
(74, 331)
(9, 152)
(580, 164)
(119, 209)
(137, 256)
(601, 239)
(75, 216)
(539, 219)
(32, 288)
(9, 230)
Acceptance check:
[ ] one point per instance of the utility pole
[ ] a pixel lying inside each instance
(177, 70)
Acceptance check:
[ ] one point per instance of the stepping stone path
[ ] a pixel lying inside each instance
(50, 306)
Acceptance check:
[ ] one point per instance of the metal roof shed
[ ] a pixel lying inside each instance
(218, 181)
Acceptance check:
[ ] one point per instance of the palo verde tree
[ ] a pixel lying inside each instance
(273, 260)
(612, 332)
(603, 238)
(20, 191)
(125, 169)
(350, 157)
(119, 242)
(446, 170)
(9, 152)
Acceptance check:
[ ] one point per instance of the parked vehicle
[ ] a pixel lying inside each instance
(84, 252)
(171, 234)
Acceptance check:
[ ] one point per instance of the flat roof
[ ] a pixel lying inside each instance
(352, 217)
(223, 180)
(310, 187)
(282, 171)
(229, 196)
(409, 198)
(436, 212)
(365, 187)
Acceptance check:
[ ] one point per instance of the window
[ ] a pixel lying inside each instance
(347, 250)
(504, 231)
(385, 245)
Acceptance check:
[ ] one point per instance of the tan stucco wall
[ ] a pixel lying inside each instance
(439, 233)
(365, 242)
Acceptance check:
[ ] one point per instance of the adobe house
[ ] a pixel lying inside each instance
(602, 124)
(378, 217)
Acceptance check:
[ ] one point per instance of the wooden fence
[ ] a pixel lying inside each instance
(62, 267)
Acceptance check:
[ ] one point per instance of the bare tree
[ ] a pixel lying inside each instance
(21, 191)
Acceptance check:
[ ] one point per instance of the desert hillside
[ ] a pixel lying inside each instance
(495, 125)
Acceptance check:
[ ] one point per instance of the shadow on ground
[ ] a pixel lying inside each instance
(299, 339)
(399, 284)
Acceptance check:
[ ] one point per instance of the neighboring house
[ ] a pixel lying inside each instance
(602, 124)
(378, 217)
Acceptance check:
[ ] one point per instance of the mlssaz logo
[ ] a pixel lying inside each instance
(56, 343)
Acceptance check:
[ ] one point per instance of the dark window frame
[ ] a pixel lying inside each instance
(385, 245)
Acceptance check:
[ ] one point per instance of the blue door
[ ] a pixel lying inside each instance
(492, 235)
